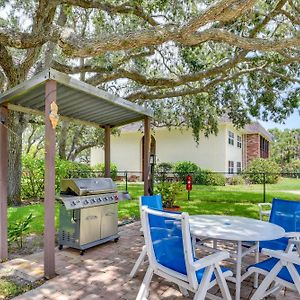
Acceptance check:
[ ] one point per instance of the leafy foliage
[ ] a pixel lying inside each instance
(236, 180)
(292, 167)
(260, 170)
(161, 171)
(34, 174)
(169, 192)
(215, 179)
(184, 168)
(18, 229)
(286, 145)
(101, 168)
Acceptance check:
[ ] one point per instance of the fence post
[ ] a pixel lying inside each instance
(264, 187)
(126, 181)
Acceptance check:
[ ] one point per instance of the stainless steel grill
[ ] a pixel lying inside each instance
(88, 213)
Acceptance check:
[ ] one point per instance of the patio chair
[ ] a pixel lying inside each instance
(286, 214)
(155, 202)
(264, 210)
(170, 253)
(282, 269)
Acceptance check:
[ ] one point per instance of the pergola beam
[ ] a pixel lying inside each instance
(3, 182)
(49, 231)
(107, 136)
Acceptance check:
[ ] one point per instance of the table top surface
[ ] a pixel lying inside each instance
(233, 228)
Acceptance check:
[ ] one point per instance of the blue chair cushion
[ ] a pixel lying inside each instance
(269, 264)
(279, 244)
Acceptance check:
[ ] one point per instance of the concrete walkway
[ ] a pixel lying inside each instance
(102, 273)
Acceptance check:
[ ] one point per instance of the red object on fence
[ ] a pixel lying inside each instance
(189, 183)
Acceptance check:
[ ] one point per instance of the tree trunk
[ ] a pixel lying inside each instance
(17, 124)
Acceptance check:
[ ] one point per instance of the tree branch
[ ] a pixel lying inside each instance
(125, 8)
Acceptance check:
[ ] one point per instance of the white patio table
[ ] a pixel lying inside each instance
(235, 229)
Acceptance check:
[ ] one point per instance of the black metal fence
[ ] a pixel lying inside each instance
(213, 179)
(202, 180)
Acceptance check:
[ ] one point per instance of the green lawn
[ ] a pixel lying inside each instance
(228, 200)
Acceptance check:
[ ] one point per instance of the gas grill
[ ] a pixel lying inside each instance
(88, 212)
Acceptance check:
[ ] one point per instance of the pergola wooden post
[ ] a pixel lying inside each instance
(3, 182)
(107, 151)
(147, 141)
(49, 231)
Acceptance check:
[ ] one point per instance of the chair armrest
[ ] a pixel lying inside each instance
(294, 242)
(292, 234)
(210, 260)
(292, 257)
(261, 205)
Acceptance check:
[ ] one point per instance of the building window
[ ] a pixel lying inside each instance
(230, 138)
(230, 167)
(239, 141)
(238, 167)
(264, 148)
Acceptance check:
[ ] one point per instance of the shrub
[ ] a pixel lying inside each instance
(162, 170)
(169, 191)
(32, 181)
(184, 168)
(236, 180)
(258, 167)
(201, 177)
(17, 230)
(292, 168)
(215, 179)
(100, 170)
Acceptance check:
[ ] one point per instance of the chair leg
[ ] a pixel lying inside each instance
(202, 289)
(139, 261)
(222, 283)
(183, 291)
(260, 292)
(144, 289)
(295, 276)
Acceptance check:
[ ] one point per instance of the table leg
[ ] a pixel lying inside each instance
(256, 261)
(215, 244)
(238, 271)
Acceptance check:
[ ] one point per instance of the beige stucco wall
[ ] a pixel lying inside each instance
(125, 152)
(172, 146)
(232, 151)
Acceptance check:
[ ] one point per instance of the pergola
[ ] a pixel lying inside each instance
(76, 101)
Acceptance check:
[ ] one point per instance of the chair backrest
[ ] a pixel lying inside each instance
(154, 201)
(168, 242)
(286, 213)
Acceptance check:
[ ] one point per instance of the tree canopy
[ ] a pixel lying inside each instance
(189, 60)
(285, 147)
(194, 59)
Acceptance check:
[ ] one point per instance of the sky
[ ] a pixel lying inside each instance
(293, 121)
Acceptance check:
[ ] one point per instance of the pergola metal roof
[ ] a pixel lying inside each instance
(77, 101)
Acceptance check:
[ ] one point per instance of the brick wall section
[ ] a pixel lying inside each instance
(252, 147)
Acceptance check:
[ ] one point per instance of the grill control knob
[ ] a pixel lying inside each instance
(73, 203)
(99, 199)
(86, 202)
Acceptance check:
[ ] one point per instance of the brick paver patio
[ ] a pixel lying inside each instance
(102, 273)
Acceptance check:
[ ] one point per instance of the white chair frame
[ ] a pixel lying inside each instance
(286, 259)
(264, 210)
(143, 253)
(189, 281)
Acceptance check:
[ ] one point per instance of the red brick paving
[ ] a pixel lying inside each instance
(102, 273)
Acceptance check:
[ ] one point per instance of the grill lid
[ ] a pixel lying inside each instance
(87, 186)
